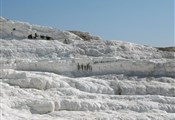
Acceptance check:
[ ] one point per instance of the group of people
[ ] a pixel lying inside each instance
(83, 67)
(41, 36)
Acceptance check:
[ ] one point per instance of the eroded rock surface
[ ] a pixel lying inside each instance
(78, 76)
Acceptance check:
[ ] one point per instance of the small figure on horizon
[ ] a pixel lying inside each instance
(35, 36)
(119, 91)
(88, 66)
(78, 66)
(42, 36)
(30, 36)
(85, 68)
(82, 67)
(66, 41)
(48, 38)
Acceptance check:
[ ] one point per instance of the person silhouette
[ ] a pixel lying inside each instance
(78, 66)
(30, 36)
(85, 68)
(88, 66)
(82, 67)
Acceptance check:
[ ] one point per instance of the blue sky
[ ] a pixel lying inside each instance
(148, 22)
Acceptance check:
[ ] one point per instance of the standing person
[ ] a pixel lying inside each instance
(82, 67)
(78, 66)
(88, 66)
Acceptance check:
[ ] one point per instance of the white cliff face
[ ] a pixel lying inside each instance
(82, 58)
(77, 79)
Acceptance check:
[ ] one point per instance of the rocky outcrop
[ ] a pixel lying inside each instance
(85, 35)
(168, 49)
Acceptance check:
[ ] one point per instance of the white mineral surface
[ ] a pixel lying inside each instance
(72, 78)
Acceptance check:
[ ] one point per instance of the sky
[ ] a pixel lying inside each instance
(147, 22)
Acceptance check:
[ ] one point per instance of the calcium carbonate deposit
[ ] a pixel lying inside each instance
(49, 74)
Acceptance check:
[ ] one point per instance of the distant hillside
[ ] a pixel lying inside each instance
(169, 49)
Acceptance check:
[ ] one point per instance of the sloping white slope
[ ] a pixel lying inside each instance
(102, 57)
(39, 77)
(39, 95)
